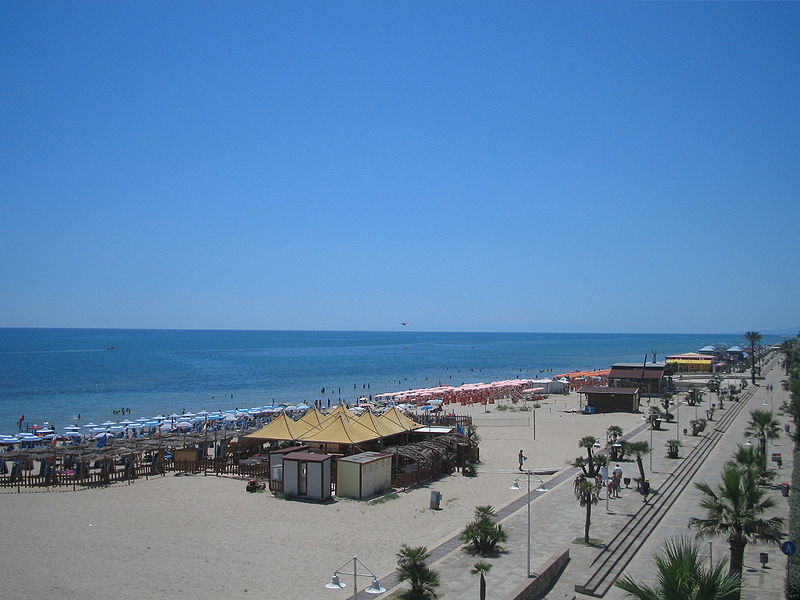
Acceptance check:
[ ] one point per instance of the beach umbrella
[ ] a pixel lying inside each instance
(126, 422)
(90, 425)
(426, 408)
(204, 413)
(107, 423)
(73, 434)
(184, 425)
(188, 414)
(102, 435)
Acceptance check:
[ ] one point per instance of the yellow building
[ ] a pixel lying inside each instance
(691, 362)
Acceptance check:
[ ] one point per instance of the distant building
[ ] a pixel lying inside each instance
(692, 362)
(650, 378)
(610, 399)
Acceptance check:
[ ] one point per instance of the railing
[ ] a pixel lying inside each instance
(105, 471)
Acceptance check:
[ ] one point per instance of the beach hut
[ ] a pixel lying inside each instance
(363, 475)
(610, 399)
(650, 378)
(307, 475)
(276, 465)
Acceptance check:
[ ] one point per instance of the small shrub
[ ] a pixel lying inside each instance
(483, 535)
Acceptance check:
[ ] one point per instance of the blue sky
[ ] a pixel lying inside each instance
(457, 166)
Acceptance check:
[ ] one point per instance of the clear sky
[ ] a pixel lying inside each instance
(501, 166)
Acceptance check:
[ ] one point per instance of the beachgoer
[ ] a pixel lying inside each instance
(644, 490)
(612, 486)
(521, 458)
(577, 483)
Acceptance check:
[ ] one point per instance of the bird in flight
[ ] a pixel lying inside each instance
(403, 323)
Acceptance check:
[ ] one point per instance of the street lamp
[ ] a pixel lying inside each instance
(337, 584)
(542, 488)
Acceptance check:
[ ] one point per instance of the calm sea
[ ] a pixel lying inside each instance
(58, 374)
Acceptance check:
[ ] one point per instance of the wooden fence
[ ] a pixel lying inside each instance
(107, 470)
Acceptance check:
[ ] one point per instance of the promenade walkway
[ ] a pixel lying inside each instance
(630, 532)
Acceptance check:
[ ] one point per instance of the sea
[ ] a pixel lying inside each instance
(74, 376)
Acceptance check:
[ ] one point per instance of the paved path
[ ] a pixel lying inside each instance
(557, 520)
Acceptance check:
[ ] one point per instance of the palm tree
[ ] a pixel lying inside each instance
(412, 566)
(789, 350)
(613, 434)
(483, 534)
(638, 448)
(587, 494)
(681, 575)
(753, 337)
(481, 568)
(763, 426)
(735, 509)
(750, 458)
(591, 464)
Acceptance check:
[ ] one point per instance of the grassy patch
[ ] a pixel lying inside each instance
(383, 499)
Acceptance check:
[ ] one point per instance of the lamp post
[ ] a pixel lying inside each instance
(541, 488)
(336, 584)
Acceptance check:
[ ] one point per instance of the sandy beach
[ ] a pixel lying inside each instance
(200, 537)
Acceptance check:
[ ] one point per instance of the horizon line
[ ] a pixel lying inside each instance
(389, 331)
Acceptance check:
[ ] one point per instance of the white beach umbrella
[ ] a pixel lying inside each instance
(90, 425)
(184, 425)
(107, 423)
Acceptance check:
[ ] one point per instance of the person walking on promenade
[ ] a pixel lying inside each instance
(616, 475)
(645, 490)
(521, 458)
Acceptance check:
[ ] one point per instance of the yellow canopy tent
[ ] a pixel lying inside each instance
(338, 430)
(395, 416)
(280, 428)
(312, 418)
(384, 428)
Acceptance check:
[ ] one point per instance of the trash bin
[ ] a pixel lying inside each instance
(436, 500)
(785, 488)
